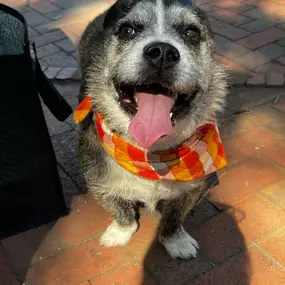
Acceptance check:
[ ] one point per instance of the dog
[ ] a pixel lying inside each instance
(149, 69)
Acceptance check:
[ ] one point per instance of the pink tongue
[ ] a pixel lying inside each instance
(152, 120)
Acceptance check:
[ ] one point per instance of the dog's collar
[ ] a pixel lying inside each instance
(82, 110)
(199, 156)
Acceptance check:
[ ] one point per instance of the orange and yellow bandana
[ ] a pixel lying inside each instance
(199, 156)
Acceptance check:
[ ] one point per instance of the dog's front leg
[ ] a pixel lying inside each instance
(125, 221)
(178, 243)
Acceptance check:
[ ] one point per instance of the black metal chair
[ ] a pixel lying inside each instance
(30, 188)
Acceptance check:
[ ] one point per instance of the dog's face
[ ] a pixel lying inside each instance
(161, 80)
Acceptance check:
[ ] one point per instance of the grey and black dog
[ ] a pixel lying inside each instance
(135, 50)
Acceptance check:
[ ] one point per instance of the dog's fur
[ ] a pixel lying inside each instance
(106, 60)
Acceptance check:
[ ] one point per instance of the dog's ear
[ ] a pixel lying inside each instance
(118, 11)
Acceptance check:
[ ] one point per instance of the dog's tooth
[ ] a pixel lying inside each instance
(170, 115)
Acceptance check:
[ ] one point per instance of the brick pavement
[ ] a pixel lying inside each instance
(250, 35)
(240, 226)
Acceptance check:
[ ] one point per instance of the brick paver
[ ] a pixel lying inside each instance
(275, 245)
(275, 193)
(133, 275)
(249, 34)
(85, 261)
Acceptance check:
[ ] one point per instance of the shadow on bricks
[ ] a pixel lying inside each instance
(222, 257)
(250, 39)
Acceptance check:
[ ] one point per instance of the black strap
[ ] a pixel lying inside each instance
(51, 97)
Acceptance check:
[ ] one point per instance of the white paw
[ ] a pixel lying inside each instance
(117, 235)
(181, 245)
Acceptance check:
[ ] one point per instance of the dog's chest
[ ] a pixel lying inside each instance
(135, 188)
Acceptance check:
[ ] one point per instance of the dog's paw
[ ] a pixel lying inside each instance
(117, 235)
(181, 245)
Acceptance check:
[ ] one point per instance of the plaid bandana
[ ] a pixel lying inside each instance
(199, 156)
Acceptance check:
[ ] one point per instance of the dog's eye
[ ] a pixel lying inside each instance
(126, 32)
(191, 34)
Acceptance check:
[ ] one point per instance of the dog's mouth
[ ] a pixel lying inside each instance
(155, 109)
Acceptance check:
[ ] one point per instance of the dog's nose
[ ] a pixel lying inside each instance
(161, 54)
